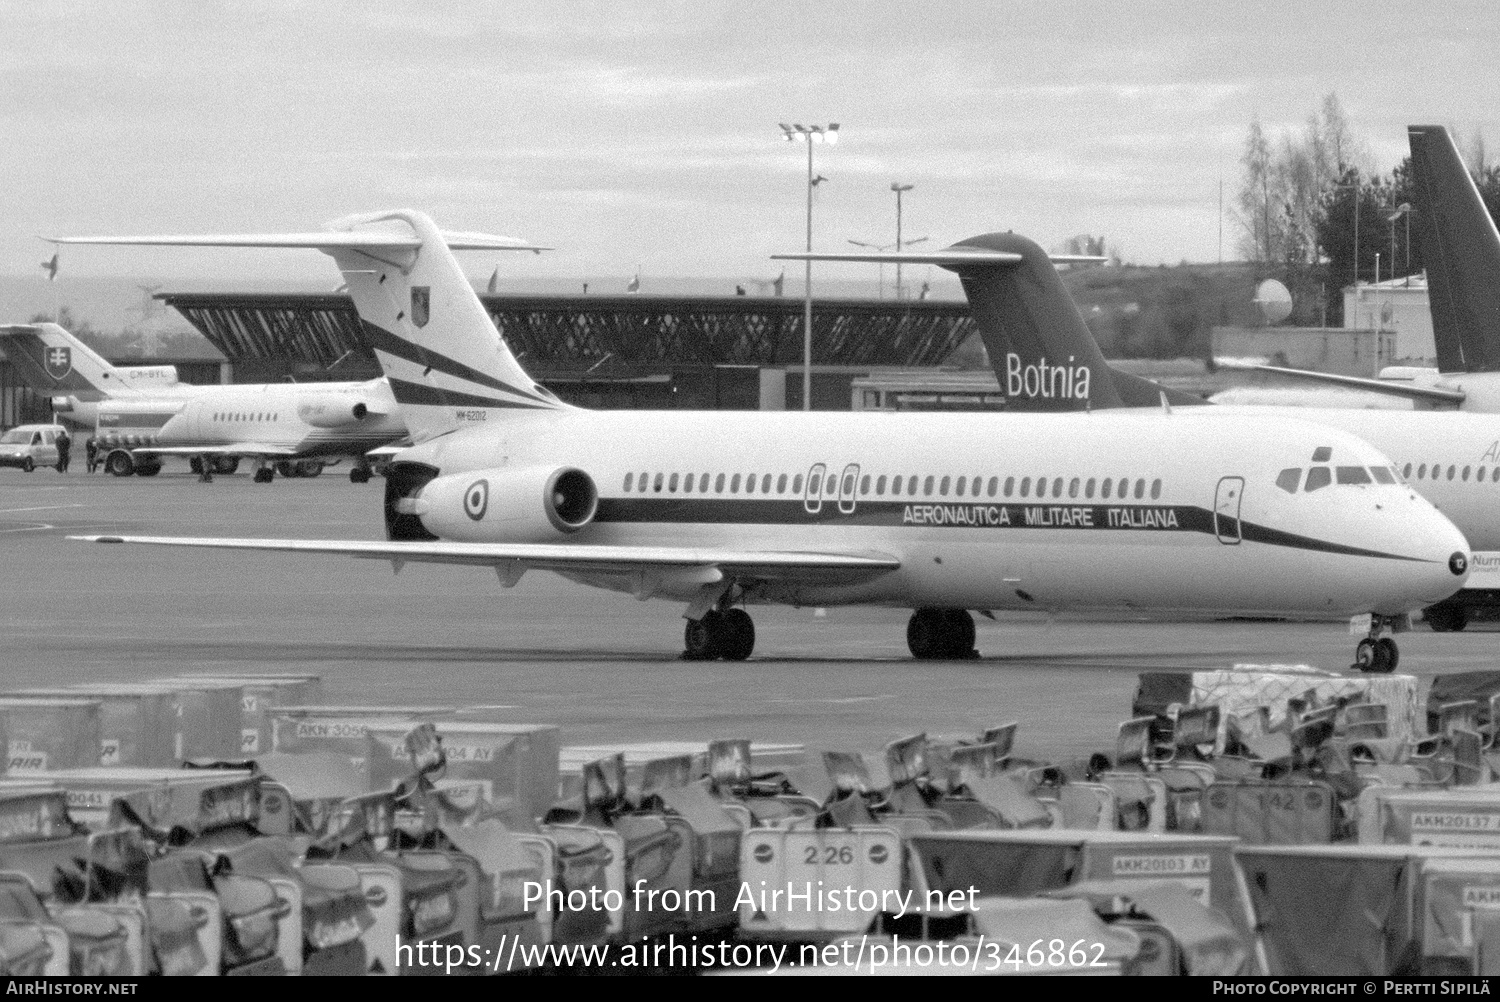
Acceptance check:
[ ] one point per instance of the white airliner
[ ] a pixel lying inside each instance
(1461, 254)
(940, 513)
(140, 414)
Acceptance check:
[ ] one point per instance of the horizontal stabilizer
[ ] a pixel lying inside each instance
(331, 240)
(1410, 391)
(822, 568)
(954, 258)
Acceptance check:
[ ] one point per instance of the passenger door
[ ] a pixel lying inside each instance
(1227, 510)
(848, 489)
(812, 498)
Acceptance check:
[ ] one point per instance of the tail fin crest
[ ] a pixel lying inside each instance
(52, 361)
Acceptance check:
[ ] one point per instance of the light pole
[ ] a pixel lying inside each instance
(1404, 209)
(809, 134)
(898, 188)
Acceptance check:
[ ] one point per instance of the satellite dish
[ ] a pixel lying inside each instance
(1274, 300)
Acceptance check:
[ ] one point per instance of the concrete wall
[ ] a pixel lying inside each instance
(1322, 349)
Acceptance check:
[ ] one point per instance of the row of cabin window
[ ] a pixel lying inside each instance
(1437, 472)
(226, 416)
(958, 486)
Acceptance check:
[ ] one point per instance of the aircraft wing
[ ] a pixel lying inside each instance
(656, 564)
(1412, 391)
(233, 449)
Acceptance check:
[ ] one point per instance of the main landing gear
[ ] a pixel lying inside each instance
(359, 475)
(729, 634)
(941, 633)
(1376, 654)
(264, 473)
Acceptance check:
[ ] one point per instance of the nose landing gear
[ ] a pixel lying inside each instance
(1376, 654)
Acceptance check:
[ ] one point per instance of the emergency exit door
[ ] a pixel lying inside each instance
(1227, 510)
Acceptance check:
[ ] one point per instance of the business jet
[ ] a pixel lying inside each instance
(1461, 251)
(940, 513)
(141, 414)
(1047, 360)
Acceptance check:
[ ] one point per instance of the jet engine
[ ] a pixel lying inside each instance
(530, 505)
(336, 411)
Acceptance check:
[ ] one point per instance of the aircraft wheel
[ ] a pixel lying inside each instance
(739, 635)
(264, 475)
(926, 634)
(286, 469)
(1364, 655)
(196, 465)
(308, 468)
(1387, 656)
(960, 628)
(120, 464)
(226, 464)
(27, 464)
(359, 475)
(1446, 618)
(701, 638)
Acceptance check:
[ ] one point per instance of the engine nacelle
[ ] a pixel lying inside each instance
(336, 411)
(530, 505)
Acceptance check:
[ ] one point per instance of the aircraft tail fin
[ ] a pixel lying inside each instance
(447, 364)
(1043, 353)
(53, 362)
(1461, 249)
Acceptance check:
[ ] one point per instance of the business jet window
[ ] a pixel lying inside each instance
(1073, 487)
(994, 487)
(750, 484)
(1140, 488)
(656, 484)
(1495, 475)
(672, 484)
(959, 485)
(734, 484)
(1317, 478)
(797, 484)
(1155, 489)
(765, 484)
(927, 487)
(880, 484)
(943, 486)
(1353, 475)
(1451, 471)
(719, 484)
(1104, 488)
(781, 484)
(1406, 472)
(1479, 474)
(1422, 472)
(1287, 480)
(1382, 475)
(1025, 486)
(629, 479)
(1466, 473)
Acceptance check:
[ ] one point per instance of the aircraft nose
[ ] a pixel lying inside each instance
(1446, 564)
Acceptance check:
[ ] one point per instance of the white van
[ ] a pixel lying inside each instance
(30, 445)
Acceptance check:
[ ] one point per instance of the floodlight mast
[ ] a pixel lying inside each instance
(809, 134)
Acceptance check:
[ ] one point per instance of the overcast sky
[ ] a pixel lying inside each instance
(645, 135)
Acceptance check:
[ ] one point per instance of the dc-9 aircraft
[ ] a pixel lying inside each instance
(943, 514)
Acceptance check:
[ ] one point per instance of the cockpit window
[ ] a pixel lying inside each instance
(1317, 478)
(1288, 480)
(1382, 475)
(1353, 475)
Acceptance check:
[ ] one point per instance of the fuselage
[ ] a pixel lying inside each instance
(314, 419)
(1450, 458)
(983, 511)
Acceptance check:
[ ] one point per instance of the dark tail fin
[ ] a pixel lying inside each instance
(1044, 354)
(1461, 249)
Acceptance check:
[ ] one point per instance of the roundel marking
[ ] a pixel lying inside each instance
(1458, 563)
(375, 895)
(763, 853)
(477, 499)
(878, 854)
